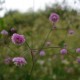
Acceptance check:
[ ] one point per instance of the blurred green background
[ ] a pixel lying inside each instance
(35, 27)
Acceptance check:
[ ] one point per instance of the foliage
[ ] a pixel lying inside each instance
(35, 26)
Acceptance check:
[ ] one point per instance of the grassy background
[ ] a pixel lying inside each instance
(35, 26)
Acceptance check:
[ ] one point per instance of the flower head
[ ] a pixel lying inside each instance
(13, 30)
(4, 32)
(8, 60)
(19, 61)
(71, 32)
(63, 51)
(42, 53)
(78, 50)
(54, 17)
(48, 43)
(78, 60)
(18, 39)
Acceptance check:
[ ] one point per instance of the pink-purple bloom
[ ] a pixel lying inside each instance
(8, 60)
(78, 50)
(4, 32)
(71, 32)
(48, 43)
(13, 30)
(78, 60)
(63, 51)
(18, 39)
(42, 53)
(19, 61)
(54, 17)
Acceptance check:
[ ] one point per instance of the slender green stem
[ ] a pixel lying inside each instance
(42, 46)
(32, 45)
(45, 40)
(32, 62)
(27, 45)
(48, 48)
(12, 49)
(32, 58)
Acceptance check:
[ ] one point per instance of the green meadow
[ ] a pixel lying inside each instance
(35, 26)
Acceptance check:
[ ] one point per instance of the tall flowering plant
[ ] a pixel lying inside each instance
(20, 39)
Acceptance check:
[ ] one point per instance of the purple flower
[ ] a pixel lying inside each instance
(71, 32)
(19, 61)
(8, 60)
(13, 30)
(78, 60)
(54, 17)
(78, 50)
(63, 51)
(42, 53)
(18, 39)
(4, 32)
(48, 43)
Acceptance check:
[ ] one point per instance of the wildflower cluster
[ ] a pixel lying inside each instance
(19, 39)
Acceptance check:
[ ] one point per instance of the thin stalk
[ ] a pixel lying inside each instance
(12, 49)
(45, 40)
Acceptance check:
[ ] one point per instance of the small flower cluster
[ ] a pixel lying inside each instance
(9, 32)
(42, 53)
(64, 51)
(71, 32)
(18, 61)
(78, 50)
(4, 32)
(18, 39)
(54, 17)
